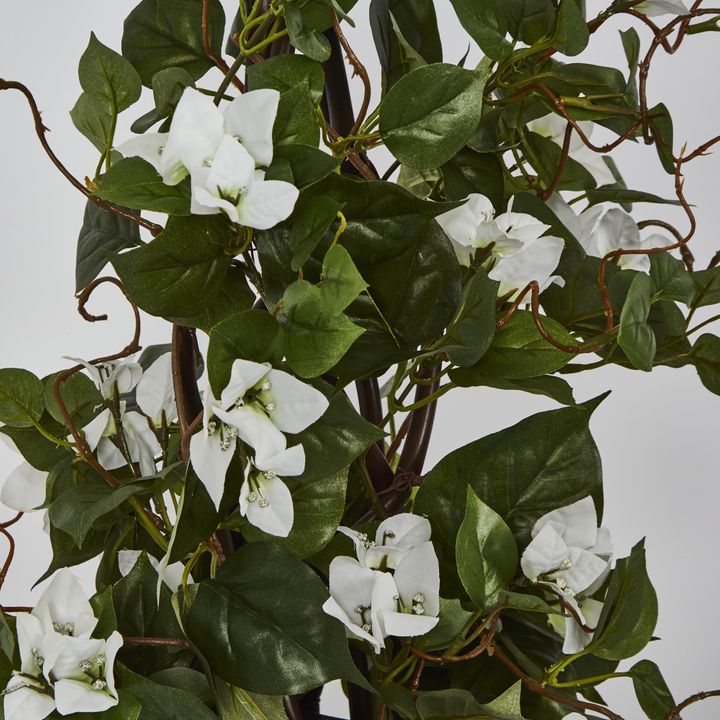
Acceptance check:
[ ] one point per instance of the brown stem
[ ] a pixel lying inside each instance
(550, 189)
(41, 130)
(184, 359)
(224, 67)
(156, 642)
(674, 714)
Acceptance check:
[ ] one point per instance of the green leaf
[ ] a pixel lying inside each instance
(314, 339)
(526, 603)
(128, 708)
(21, 398)
(101, 236)
(624, 195)
(284, 72)
(482, 21)
(132, 182)
(662, 130)
(108, 79)
(651, 690)
(571, 32)
(311, 220)
(705, 356)
(544, 462)
(238, 704)
(486, 552)
(307, 39)
(342, 282)
(670, 278)
(191, 681)
(197, 518)
(453, 618)
(139, 614)
(104, 611)
(519, 352)
(241, 611)
(161, 34)
(318, 506)
(308, 164)
(161, 702)
(471, 332)
(548, 385)
(636, 337)
(168, 86)
(250, 335)
(65, 553)
(547, 156)
(631, 45)
(431, 113)
(707, 287)
(91, 120)
(473, 172)
(40, 452)
(629, 611)
(296, 122)
(182, 270)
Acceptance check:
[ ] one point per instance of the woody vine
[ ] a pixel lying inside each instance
(499, 246)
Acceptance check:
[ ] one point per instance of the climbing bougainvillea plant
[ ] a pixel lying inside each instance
(262, 517)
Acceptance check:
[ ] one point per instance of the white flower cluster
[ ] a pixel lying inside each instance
(518, 251)
(62, 667)
(222, 151)
(24, 488)
(571, 556)
(393, 588)
(258, 406)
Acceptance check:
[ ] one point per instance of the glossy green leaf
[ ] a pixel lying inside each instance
(483, 22)
(296, 122)
(571, 32)
(197, 519)
(161, 702)
(91, 120)
(547, 155)
(132, 182)
(261, 639)
(485, 551)
(284, 72)
(431, 113)
(191, 681)
(707, 287)
(311, 221)
(518, 351)
(161, 34)
(651, 690)
(548, 385)
(139, 614)
(238, 704)
(342, 282)
(473, 172)
(307, 39)
(471, 332)
(636, 337)
(307, 164)
(250, 335)
(544, 462)
(180, 271)
(101, 236)
(453, 618)
(630, 610)
(65, 553)
(21, 398)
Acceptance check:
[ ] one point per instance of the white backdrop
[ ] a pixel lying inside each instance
(656, 432)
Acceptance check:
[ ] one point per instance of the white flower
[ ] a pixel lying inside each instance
(155, 394)
(26, 698)
(112, 378)
(172, 574)
(575, 638)
(258, 405)
(653, 8)
(606, 227)
(221, 151)
(264, 498)
(139, 439)
(570, 555)
(232, 185)
(24, 488)
(63, 607)
(374, 604)
(553, 127)
(394, 538)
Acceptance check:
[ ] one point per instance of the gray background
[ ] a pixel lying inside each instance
(657, 432)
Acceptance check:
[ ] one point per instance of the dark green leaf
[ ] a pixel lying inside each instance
(104, 611)
(284, 72)
(705, 355)
(485, 551)
(631, 45)
(571, 32)
(168, 86)
(471, 332)
(311, 221)
(91, 120)
(250, 335)
(101, 236)
(623, 195)
(651, 690)
(161, 34)
(431, 113)
(548, 385)
(308, 164)
(342, 282)
(132, 182)
(262, 639)
(139, 614)
(546, 154)
(182, 270)
(453, 618)
(707, 287)
(636, 337)
(472, 172)
(670, 278)
(542, 463)
(518, 351)
(307, 39)
(65, 553)
(197, 519)
(41, 453)
(21, 398)
(662, 130)
(483, 22)
(234, 702)
(296, 122)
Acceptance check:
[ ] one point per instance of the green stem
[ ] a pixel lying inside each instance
(551, 674)
(589, 681)
(49, 436)
(148, 524)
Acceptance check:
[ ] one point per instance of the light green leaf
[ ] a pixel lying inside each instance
(284, 72)
(21, 398)
(571, 32)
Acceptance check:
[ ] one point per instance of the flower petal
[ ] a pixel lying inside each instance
(24, 488)
(254, 428)
(244, 375)
(331, 607)
(73, 696)
(287, 463)
(155, 393)
(211, 462)
(585, 570)
(250, 118)
(575, 523)
(203, 202)
(25, 703)
(97, 428)
(266, 203)
(418, 574)
(407, 530)
(653, 8)
(272, 510)
(141, 442)
(196, 130)
(64, 603)
(547, 552)
(407, 625)
(232, 169)
(148, 146)
(297, 404)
